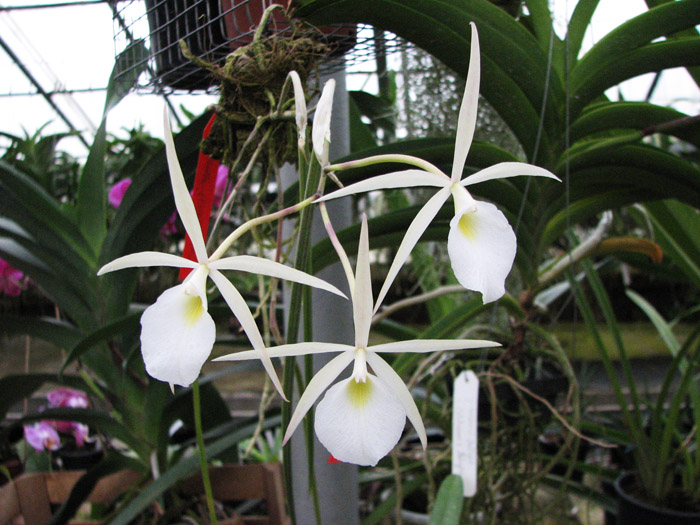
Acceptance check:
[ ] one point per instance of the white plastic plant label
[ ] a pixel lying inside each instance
(465, 408)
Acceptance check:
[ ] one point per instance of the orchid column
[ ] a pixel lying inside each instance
(337, 483)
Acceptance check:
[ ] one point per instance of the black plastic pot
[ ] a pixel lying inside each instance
(631, 511)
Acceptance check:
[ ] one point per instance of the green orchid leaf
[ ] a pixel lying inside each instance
(677, 230)
(182, 469)
(592, 80)
(81, 311)
(448, 504)
(642, 116)
(28, 204)
(109, 331)
(578, 25)
(16, 387)
(60, 333)
(92, 192)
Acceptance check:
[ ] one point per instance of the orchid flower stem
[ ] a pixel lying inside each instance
(248, 225)
(378, 159)
(302, 260)
(196, 402)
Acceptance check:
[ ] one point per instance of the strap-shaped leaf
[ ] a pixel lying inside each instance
(578, 24)
(448, 504)
(28, 204)
(62, 293)
(594, 79)
(55, 331)
(92, 192)
(634, 115)
(59, 257)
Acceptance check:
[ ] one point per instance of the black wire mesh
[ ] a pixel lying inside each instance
(212, 29)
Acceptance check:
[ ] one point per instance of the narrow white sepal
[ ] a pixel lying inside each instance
(359, 423)
(288, 350)
(482, 252)
(431, 345)
(465, 420)
(183, 200)
(468, 110)
(142, 259)
(505, 170)
(177, 335)
(362, 296)
(300, 113)
(319, 382)
(420, 223)
(398, 179)
(391, 378)
(258, 265)
(321, 130)
(240, 309)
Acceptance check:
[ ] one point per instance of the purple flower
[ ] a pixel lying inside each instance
(220, 185)
(42, 436)
(116, 192)
(67, 397)
(11, 279)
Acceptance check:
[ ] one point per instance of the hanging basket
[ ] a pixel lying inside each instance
(212, 29)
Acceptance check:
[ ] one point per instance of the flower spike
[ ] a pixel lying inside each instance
(361, 418)
(481, 243)
(177, 332)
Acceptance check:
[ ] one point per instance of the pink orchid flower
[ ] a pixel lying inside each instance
(11, 279)
(42, 436)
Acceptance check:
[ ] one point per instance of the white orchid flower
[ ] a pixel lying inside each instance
(361, 418)
(300, 113)
(481, 243)
(321, 129)
(177, 332)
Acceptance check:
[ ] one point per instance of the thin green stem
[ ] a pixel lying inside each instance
(196, 402)
(378, 159)
(257, 221)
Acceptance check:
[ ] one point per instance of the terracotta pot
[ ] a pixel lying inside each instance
(631, 511)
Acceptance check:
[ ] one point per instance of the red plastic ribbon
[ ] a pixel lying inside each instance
(332, 460)
(202, 196)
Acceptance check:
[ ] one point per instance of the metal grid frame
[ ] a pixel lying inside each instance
(212, 29)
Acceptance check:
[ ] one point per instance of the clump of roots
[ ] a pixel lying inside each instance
(254, 99)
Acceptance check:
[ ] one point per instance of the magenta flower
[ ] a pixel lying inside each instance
(42, 436)
(220, 185)
(67, 397)
(116, 192)
(11, 279)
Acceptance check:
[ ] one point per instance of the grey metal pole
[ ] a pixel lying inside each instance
(337, 484)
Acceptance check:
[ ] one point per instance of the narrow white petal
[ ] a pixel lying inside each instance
(249, 263)
(240, 309)
(362, 295)
(391, 378)
(360, 422)
(183, 201)
(421, 222)
(321, 130)
(299, 106)
(315, 388)
(177, 335)
(397, 179)
(289, 350)
(482, 248)
(141, 259)
(431, 345)
(504, 170)
(468, 110)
